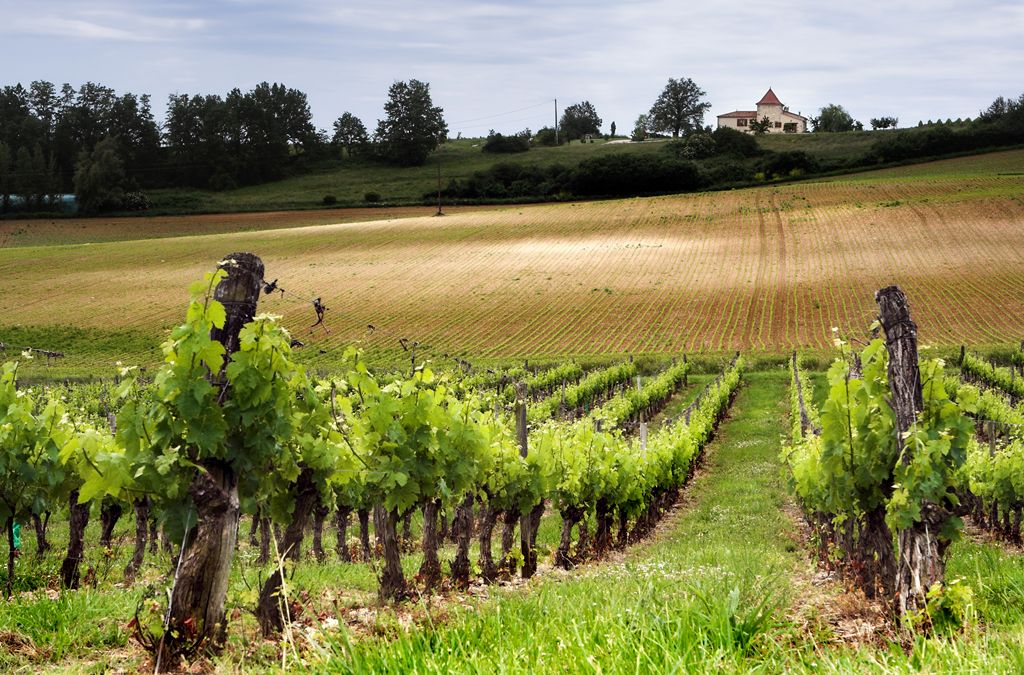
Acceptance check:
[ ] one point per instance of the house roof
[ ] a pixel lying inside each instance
(769, 98)
(741, 113)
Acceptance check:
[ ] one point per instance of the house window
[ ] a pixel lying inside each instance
(741, 122)
(789, 127)
(778, 125)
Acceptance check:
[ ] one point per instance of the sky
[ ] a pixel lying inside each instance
(501, 65)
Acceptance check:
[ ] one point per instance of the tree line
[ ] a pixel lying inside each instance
(108, 147)
(44, 130)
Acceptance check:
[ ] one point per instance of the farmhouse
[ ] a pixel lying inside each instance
(781, 121)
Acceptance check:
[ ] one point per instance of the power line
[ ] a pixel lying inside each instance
(509, 112)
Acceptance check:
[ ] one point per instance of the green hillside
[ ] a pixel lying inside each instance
(825, 147)
(350, 179)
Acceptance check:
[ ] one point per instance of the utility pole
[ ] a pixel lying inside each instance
(556, 121)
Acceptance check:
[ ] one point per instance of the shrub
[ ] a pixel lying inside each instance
(546, 137)
(789, 163)
(135, 201)
(1001, 125)
(497, 143)
(505, 179)
(221, 181)
(694, 146)
(329, 200)
(619, 174)
(736, 143)
(371, 197)
(723, 170)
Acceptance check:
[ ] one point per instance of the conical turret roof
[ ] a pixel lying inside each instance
(769, 98)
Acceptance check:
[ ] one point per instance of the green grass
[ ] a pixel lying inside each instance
(440, 281)
(717, 589)
(689, 600)
(81, 349)
(350, 179)
(826, 147)
(43, 628)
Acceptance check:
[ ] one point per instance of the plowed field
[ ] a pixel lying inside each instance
(771, 268)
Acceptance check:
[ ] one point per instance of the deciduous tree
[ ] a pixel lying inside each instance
(414, 126)
(679, 108)
(578, 120)
(761, 126)
(884, 122)
(5, 177)
(100, 178)
(640, 128)
(349, 134)
(834, 117)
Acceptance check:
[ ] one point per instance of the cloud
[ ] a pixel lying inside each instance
(910, 58)
(99, 23)
(73, 28)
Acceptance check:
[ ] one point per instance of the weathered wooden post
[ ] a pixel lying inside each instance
(197, 612)
(920, 561)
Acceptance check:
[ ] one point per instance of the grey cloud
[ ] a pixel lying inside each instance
(915, 59)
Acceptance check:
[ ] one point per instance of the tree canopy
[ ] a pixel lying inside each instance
(349, 133)
(414, 126)
(242, 138)
(884, 122)
(679, 108)
(100, 178)
(578, 120)
(640, 128)
(834, 117)
(44, 129)
(760, 127)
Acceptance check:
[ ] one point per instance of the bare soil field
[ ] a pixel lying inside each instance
(771, 268)
(43, 231)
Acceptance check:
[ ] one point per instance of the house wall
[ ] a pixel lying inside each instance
(779, 117)
(775, 113)
(737, 123)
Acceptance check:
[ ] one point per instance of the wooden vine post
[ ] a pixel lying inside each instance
(197, 613)
(920, 561)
